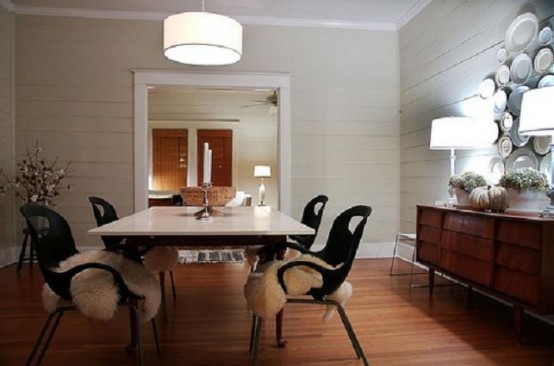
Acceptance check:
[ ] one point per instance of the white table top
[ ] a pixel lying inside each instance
(180, 221)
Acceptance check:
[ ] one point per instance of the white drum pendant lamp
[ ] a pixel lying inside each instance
(201, 38)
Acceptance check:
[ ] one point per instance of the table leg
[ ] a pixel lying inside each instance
(22, 252)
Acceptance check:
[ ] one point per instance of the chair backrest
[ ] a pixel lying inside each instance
(104, 213)
(53, 244)
(311, 216)
(342, 245)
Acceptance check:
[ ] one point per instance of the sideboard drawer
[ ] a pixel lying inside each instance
(430, 218)
(470, 268)
(521, 233)
(468, 245)
(464, 223)
(518, 257)
(522, 286)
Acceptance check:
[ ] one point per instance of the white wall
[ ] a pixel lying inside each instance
(8, 246)
(74, 92)
(445, 52)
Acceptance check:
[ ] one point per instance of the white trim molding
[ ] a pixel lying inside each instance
(145, 78)
(247, 20)
(8, 5)
(412, 12)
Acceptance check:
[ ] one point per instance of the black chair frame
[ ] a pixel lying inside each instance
(333, 253)
(55, 244)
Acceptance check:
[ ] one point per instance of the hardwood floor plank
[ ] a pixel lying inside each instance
(210, 325)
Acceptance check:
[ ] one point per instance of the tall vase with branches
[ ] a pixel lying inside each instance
(36, 179)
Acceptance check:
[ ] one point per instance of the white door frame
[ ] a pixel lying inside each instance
(145, 78)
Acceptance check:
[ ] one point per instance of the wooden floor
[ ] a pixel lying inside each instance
(210, 325)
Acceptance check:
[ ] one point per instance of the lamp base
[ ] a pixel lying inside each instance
(549, 210)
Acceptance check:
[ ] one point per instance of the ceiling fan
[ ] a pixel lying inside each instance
(270, 100)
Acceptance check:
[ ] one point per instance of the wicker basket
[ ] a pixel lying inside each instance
(217, 196)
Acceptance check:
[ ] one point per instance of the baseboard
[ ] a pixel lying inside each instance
(9, 255)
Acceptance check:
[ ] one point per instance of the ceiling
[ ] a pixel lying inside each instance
(360, 14)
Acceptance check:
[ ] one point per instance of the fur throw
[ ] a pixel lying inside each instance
(161, 259)
(265, 296)
(94, 292)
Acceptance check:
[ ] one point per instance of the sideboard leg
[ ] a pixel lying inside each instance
(431, 280)
(518, 322)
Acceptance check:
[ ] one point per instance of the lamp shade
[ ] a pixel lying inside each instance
(537, 112)
(453, 133)
(262, 171)
(201, 38)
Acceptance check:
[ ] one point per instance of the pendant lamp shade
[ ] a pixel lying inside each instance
(201, 38)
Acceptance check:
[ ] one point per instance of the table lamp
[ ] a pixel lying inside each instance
(537, 119)
(262, 171)
(459, 133)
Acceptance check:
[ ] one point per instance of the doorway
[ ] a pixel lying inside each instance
(145, 78)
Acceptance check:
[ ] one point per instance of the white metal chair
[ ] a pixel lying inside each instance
(406, 239)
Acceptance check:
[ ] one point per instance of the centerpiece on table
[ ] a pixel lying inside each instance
(36, 179)
(463, 184)
(524, 186)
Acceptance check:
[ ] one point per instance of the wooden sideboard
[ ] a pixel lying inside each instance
(508, 256)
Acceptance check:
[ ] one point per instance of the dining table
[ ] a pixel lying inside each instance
(180, 226)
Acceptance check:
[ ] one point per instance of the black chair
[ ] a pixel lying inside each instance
(311, 216)
(55, 244)
(104, 213)
(341, 247)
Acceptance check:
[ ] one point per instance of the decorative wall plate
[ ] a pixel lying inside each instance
(521, 32)
(521, 158)
(486, 88)
(546, 80)
(504, 146)
(496, 167)
(515, 98)
(544, 166)
(517, 139)
(506, 122)
(541, 144)
(545, 36)
(543, 60)
(502, 76)
(500, 98)
(501, 55)
(521, 68)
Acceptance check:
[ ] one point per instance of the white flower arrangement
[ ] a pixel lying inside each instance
(36, 179)
(467, 181)
(524, 178)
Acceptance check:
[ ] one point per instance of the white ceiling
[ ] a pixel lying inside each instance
(360, 14)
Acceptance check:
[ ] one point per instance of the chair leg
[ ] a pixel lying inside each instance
(351, 334)
(58, 314)
(257, 335)
(173, 286)
(252, 332)
(393, 255)
(156, 339)
(139, 337)
(162, 288)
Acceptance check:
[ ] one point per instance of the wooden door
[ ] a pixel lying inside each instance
(221, 144)
(169, 159)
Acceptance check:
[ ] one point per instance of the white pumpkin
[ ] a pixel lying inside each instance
(489, 198)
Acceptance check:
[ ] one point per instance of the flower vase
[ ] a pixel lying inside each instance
(462, 197)
(526, 199)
